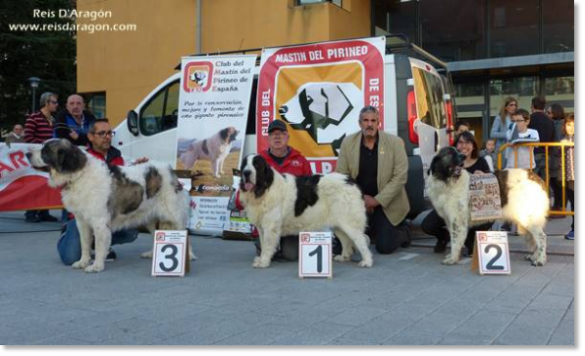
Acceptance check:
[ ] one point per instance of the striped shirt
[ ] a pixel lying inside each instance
(37, 128)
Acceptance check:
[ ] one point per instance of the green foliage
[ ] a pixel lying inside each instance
(49, 55)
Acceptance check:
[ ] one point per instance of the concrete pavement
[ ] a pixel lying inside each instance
(407, 298)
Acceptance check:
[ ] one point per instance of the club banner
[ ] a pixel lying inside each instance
(318, 90)
(213, 110)
(21, 186)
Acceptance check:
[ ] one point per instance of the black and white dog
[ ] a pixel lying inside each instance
(107, 199)
(281, 205)
(523, 195)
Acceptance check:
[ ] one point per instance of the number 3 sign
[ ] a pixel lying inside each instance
(170, 253)
(315, 254)
(492, 250)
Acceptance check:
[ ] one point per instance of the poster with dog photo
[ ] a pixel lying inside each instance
(213, 110)
(318, 90)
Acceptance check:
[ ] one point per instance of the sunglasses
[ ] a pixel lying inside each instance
(104, 133)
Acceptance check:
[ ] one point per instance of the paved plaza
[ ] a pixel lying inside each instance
(407, 298)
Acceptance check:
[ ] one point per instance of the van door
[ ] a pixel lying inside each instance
(427, 111)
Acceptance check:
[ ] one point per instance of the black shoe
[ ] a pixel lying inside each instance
(32, 219)
(440, 246)
(47, 217)
(111, 256)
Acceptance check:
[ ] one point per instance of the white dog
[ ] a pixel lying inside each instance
(523, 196)
(214, 149)
(281, 205)
(106, 199)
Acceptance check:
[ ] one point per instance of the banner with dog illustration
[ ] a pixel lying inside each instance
(318, 90)
(213, 111)
(21, 186)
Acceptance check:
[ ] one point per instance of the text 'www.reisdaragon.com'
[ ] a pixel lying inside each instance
(75, 27)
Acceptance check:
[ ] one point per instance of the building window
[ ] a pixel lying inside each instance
(471, 106)
(96, 103)
(453, 30)
(311, 2)
(558, 26)
(395, 16)
(560, 90)
(513, 27)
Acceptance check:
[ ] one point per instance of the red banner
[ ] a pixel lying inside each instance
(318, 90)
(21, 186)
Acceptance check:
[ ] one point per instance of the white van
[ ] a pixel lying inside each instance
(419, 108)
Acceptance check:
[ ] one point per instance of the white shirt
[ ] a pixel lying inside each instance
(524, 153)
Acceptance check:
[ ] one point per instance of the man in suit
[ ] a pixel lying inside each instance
(377, 161)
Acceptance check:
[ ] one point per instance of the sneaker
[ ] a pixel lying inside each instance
(440, 246)
(47, 217)
(570, 235)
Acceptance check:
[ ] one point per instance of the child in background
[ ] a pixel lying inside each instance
(489, 151)
(525, 155)
(569, 131)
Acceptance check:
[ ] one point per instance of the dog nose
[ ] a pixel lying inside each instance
(247, 173)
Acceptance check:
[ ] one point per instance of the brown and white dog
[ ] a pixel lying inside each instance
(106, 199)
(523, 195)
(214, 149)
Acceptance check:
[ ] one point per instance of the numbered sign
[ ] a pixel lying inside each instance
(315, 254)
(492, 250)
(170, 253)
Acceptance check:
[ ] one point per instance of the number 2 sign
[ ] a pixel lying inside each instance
(492, 249)
(315, 254)
(170, 253)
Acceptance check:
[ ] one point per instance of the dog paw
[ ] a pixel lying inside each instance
(537, 263)
(529, 257)
(449, 261)
(147, 254)
(366, 264)
(80, 264)
(95, 268)
(259, 263)
(341, 258)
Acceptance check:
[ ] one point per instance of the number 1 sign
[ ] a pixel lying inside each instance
(169, 256)
(315, 254)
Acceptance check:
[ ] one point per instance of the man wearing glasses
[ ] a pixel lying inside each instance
(100, 136)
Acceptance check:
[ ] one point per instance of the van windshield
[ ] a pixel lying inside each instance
(430, 104)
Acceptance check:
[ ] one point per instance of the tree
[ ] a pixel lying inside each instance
(28, 52)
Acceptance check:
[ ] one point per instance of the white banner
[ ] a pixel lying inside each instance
(213, 112)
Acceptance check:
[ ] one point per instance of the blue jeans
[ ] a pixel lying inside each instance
(69, 245)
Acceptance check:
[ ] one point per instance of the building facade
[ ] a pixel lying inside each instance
(494, 48)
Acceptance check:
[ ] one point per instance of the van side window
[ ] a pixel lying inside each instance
(160, 113)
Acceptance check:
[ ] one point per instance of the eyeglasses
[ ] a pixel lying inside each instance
(104, 133)
(519, 120)
(53, 102)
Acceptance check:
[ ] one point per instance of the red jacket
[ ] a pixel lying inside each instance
(295, 164)
(113, 156)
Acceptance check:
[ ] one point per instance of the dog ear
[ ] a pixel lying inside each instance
(264, 178)
(70, 159)
(438, 169)
(224, 134)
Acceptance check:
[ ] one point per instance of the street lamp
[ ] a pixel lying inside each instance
(34, 84)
